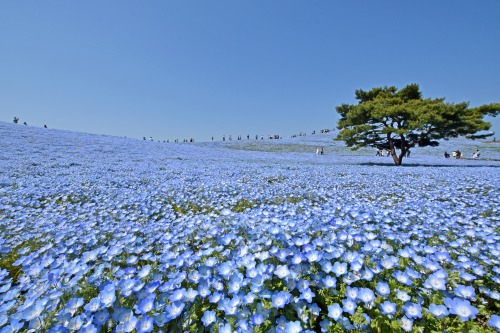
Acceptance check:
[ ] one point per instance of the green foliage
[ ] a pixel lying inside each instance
(7, 261)
(392, 119)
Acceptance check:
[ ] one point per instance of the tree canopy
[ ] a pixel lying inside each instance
(386, 117)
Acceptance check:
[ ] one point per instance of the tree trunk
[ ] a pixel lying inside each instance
(397, 160)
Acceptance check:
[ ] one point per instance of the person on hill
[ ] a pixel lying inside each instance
(446, 155)
(476, 154)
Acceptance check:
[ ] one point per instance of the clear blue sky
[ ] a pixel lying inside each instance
(181, 69)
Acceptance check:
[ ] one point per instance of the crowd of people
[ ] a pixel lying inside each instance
(320, 151)
(458, 154)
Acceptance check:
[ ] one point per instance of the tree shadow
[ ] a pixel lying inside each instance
(429, 165)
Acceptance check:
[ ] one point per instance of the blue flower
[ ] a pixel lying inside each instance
(467, 292)
(349, 305)
(177, 295)
(352, 292)
(438, 311)
(93, 305)
(257, 319)
(146, 304)
(107, 296)
(366, 295)
(412, 310)
(329, 281)
(461, 308)
(435, 282)
(130, 324)
(402, 295)
(293, 327)
(334, 311)
(402, 277)
(174, 310)
(495, 322)
(225, 328)
(145, 325)
(100, 317)
(388, 308)
(280, 299)
(406, 324)
(339, 268)
(208, 318)
(282, 271)
(32, 311)
(307, 295)
(383, 288)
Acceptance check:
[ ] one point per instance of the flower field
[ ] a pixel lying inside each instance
(109, 234)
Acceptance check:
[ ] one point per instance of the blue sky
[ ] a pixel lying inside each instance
(182, 69)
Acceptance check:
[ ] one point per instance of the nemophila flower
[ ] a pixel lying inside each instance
(388, 308)
(352, 292)
(442, 256)
(146, 304)
(339, 268)
(145, 325)
(3, 319)
(190, 295)
(174, 310)
(326, 266)
(129, 325)
(257, 319)
(208, 317)
(495, 322)
(234, 284)
(367, 274)
(467, 276)
(334, 311)
(349, 305)
(350, 278)
(204, 289)
(73, 304)
(435, 282)
(302, 285)
(177, 295)
(314, 309)
(215, 297)
(144, 272)
(412, 310)
(313, 256)
(388, 262)
(93, 305)
(100, 317)
(225, 328)
(160, 319)
(32, 311)
(461, 308)
(406, 324)
(467, 292)
(383, 288)
(282, 271)
(293, 327)
(75, 323)
(402, 277)
(225, 269)
(366, 295)
(218, 285)
(280, 299)
(107, 296)
(14, 326)
(438, 311)
(243, 326)
(307, 295)
(329, 281)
